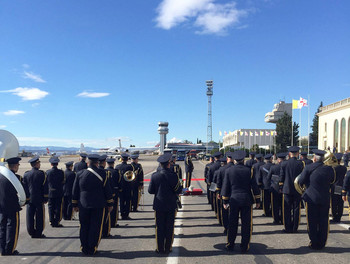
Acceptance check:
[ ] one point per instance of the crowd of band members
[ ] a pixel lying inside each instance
(65, 191)
(229, 192)
(95, 192)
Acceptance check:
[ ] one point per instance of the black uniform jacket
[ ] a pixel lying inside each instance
(138, 170)
(90, 191)
(55, 179)
(121, 169)
(68, 185)
(238, 185)
(81, 165)
(188, 164)
(255, 169)
(206, 170)
(221, 175)
(36, 183)
(165, 186)
(8, 197)
(115, 180)
(274, 177)
(307, 161)
(177, 169)
(340, 171)
(346, 185)
(318, 179)
(263, 179)
(289, 171)
(213, 167)
(249, 163)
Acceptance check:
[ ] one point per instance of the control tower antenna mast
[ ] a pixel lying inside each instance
(209, 128)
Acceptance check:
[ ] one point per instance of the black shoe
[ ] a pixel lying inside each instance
(127, 218)
(229, 248)
(159, 251)
(168, 251)
(14, 253)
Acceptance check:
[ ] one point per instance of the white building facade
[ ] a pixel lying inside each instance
(247, 138)
(334, 126)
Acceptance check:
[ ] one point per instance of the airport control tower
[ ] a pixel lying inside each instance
(162, 130)
(209, 128)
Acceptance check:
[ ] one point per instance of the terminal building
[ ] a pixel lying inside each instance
(334, 126)
(197, 147)
(247, 138)
(278, 112)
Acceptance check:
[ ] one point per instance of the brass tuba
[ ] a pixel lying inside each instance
(299, 188)
(330, 159)
(129, 176)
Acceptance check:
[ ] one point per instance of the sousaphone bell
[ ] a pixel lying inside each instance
(129, 176)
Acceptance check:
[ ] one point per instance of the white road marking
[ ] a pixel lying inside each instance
(347, 227)
(173, 257)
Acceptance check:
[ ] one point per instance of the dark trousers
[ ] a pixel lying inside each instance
(291, 212)
(67, 208)
(337, 207)
(224, 215)
(135, 197)
(317, 223)
(164, 230)
(9, 230)
(346, 163)
(214, 202)
(106, 229)
(276, 204)
(247, 225)
(115, 212)
(55, 211)
(90, 228)
(35, 219)
(266, 195)
(208, 194)
(125, 203)
(218, 208)
(188, 179)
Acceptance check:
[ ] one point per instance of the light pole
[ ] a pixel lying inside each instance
(209, 127)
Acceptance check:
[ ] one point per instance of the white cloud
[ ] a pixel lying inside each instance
(92, 94)
(13, 112)
(26, 66)
(2, 126)
(175, 140)
(35, 104)
(28, 94)
(34, 77)
(208, 16)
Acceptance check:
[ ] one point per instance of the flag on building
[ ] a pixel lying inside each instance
(242, 133)
(220, 134)
(261, 133)
(250, 133)
(246, 133)
(256, 133)
(295, 104)
(275, 133)
(267, 133)
(225, 133)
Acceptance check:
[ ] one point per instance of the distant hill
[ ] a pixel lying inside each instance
(52, 149)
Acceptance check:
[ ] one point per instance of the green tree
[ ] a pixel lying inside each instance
(314, 134)
(187, 141)
(283, 129)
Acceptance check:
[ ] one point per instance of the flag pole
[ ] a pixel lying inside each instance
(292, 128)
(308, 125)
(300, 128)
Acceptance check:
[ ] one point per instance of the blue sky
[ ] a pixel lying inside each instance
(93, 71)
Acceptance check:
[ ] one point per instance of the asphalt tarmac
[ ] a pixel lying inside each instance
(198, 237)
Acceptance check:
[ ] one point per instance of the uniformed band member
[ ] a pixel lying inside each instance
(56, 180)
(126, 187)
(291, 198)
(9, 211)
(206, 169)
(249, 163)
(337, 203)
(256, 166)
(165, 186)
(138, 183)
(276, 195)
(346, 188)
(188, 169)
(213, 167)
(318, 179)
(218, 203)
(115, 184)
(303, 157)
(91, 194)
(346, 158)
(237, 188)
(106, 229)
(219, 181)
(265, 185)
(176, 168)
(35, 182)
(67, 191)
(81, 165)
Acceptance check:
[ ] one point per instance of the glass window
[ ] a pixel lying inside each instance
(342, 135)
(336, 134)
(325, 127)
